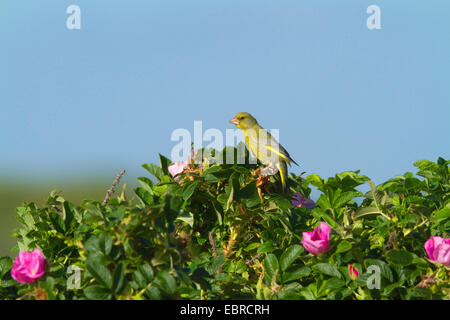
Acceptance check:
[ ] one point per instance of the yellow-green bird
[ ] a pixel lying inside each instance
(265, 147)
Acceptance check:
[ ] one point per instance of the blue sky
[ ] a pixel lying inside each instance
(108, 96)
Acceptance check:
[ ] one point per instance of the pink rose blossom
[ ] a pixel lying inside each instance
(353, 272)
(438, 249)
(317, 242)
(29, 266)
(177, 168)
(300, 201)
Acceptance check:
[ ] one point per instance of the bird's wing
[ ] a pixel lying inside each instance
(278, 149)
(258, 139)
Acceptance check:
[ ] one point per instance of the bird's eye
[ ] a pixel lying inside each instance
(241, 118)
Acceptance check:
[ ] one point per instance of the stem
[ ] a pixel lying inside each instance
(113, 187)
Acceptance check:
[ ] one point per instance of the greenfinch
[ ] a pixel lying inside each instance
(265, 147)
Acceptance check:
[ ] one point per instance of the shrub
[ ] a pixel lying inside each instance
(225, 232)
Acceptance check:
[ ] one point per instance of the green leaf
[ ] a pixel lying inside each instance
(7, 283)
(252, 246)
(343, 246)
(380, 198)
(146, 271)
(153, 293)
(57, 222)
(308, 292)
(266, 247)
(400, 257)
(199, 276)
(165, 162)
(327, 269)
(146, 183)
(187, 217)
(320, 214)
(118, 279)
(271, 266)
(97, 293)
(99, 272)
(212, 170)
(217, 262)
(325, 200)
(334, 283)
(189, 188)
(413, 184)
(222, 198)
(234, 189)
(219, 211)
(25, 217)
(105, 242)
(441, 215)
(315, 180)
(294, 273)
(168, 283)
(99, 244)
(249, 195)
(424, 165)
(6, 264)
(365, 211)
(145, 196)
(419, 292)
(48, 285)
(384, 268)
(156, 171)
(282, 203)
(139, 278)
(68, 211)
(289, 256)
(344, 198)
(390, 288)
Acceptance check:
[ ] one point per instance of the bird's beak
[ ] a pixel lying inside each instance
(234, 121)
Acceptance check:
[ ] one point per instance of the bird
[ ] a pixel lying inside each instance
(265, 147)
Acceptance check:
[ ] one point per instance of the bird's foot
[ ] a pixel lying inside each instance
(269, 171)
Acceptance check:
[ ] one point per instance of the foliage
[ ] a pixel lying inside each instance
(221, 232)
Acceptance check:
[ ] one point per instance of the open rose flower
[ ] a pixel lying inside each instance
(300, 201)
(438, 249)
(317, 242)
(353, 272)
(29, 266)
(176, 168)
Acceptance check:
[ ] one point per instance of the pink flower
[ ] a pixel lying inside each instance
(438, 249)
(353, 272)
(177, 168)
(300, 201)
(317, 242)
(29, 266)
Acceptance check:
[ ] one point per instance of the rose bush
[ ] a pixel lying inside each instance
(224, 232)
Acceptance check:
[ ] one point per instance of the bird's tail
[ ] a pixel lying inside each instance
(282, 168)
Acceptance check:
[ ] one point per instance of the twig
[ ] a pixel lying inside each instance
(58, 210)
(250, 261)
(213, 244)
(391, 240)
(113, 187)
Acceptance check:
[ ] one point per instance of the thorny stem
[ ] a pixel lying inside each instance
(214, 248)
(113, 187)
(231, 242)
(213, 244)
